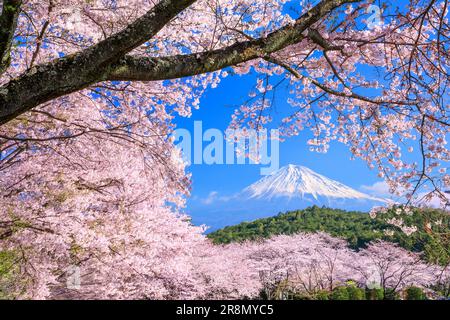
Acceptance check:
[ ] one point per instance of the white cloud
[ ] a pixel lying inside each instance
(381, 189)
(434, 202)
(378, 189)
(211, 197)
(214, 196)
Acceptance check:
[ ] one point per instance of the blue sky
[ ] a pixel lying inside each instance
(217, 106)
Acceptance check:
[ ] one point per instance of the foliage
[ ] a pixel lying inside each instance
(374, 294)
(322, 295)
(355, 293)
(340, 293)
(390, 294)
(349, 292)
(415, 293)
(8, 274)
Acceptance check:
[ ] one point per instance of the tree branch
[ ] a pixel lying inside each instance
(8, 24)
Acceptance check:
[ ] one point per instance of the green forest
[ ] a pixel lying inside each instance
(357, 228)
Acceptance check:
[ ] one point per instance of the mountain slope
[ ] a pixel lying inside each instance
(301, 182)
(290, 188)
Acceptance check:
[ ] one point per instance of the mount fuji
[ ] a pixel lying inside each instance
(290, 188)
(301, 182)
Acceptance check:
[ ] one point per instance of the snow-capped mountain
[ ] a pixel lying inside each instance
(301, 182)
(290, 188)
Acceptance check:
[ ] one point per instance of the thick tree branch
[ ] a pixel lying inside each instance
(161, 68)
(317, 38)
(75, 72)
(8, 23)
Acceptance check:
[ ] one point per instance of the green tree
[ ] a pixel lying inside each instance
(415, 293)
(374, 294)
(340, 293)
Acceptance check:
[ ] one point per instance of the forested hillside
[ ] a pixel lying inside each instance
(356, 227)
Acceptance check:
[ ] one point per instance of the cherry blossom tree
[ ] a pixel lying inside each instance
(306, 263)
(97, 204)
(271, 260)
(390, 267)
(314, 262)
(325, 263)
(225, 272)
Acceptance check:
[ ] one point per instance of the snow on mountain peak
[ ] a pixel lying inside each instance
(298, 181)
